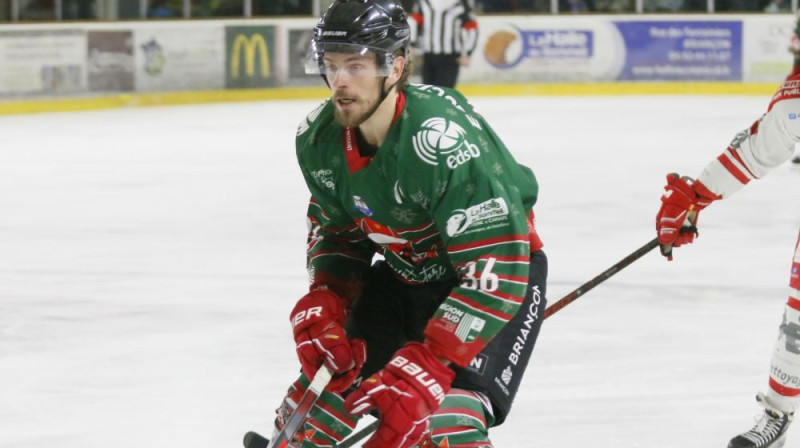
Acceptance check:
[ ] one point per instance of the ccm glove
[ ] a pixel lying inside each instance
(318, 323)
(405, 393)
(676, 221)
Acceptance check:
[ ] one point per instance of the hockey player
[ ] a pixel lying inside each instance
(769, 142)
(794, 48)
(433, 338)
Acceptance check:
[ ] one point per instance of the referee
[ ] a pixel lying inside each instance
(447, 34)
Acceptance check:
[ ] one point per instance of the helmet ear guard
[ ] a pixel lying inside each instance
(360, 27)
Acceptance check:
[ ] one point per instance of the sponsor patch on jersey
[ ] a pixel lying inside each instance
(478, 364)
(469, 328)
(324, 177)
(506, 375)
(428, 273)
(502, 386)
(491, 213)
(441, 136)
(361, 206)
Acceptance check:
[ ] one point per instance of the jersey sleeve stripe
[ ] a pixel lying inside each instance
(488, 242)
(506, 259)
(336, 414)
(483, 309)
(741, 163)
(521, 279)
(733, 167)
(459, 412)
(505, 297)
(313, 203)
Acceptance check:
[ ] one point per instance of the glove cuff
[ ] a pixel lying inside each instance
(704, 196)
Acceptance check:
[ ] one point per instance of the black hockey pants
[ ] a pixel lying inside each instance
(389, 313)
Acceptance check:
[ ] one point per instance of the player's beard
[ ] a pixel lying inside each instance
(353, 117)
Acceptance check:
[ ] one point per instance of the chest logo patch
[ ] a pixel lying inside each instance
(440, 136)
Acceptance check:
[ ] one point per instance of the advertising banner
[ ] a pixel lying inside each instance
(299, 40)
(180, 58)
(75, 58)
(528, 49)
(682, 50)
(766, 47)
(110, 61)
(250, 57)
(42, 62)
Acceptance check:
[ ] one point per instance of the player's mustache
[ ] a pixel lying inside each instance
(341, 94)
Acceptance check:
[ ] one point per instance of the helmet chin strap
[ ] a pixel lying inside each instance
(382, 97)
(385, 91)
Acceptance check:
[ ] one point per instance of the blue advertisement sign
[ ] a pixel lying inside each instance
(682, 50)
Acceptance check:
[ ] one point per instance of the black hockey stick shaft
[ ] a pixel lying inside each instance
(605, 275)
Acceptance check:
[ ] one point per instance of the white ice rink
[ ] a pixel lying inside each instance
(149, 259)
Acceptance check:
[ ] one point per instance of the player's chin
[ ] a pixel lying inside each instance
(348, 117)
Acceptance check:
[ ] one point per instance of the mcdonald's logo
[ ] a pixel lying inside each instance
(253, 46)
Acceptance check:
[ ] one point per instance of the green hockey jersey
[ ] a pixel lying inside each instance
(442, 199)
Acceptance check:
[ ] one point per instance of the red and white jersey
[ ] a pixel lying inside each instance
(754, 152)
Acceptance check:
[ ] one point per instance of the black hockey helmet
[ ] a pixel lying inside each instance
(360, 26)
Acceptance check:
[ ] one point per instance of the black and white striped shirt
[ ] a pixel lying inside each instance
(446, 26)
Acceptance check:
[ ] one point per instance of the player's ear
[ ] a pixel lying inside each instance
(397, 68)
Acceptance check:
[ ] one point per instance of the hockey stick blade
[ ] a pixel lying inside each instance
(605, 275)
(255, 440)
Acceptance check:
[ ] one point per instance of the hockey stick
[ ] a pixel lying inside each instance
(311, 395)
(605, 275)
(254, 440)
(552, 309)
(361, 434)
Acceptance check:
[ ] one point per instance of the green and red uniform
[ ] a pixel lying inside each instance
(442, 200)
(451, 213)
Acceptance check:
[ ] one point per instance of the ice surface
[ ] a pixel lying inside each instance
(149, 259)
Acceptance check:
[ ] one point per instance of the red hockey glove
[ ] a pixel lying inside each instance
(405, 392)
(676, 221)
(318, 322)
